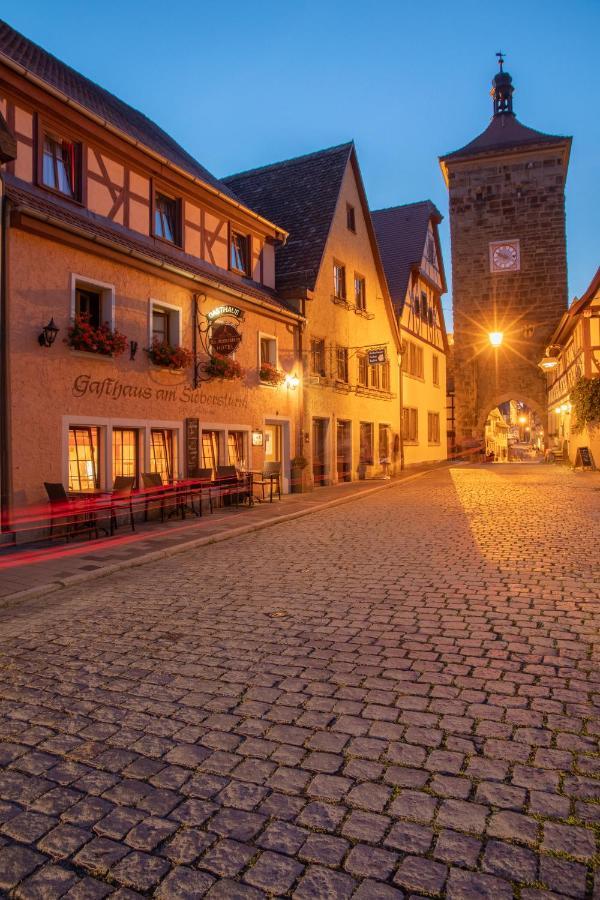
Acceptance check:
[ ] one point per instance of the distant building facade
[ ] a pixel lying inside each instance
(410, 248)
(509, 267)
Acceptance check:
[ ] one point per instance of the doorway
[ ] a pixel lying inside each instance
(319, 450)
(344, 450)
(277, 449)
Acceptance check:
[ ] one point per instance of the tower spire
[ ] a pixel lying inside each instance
(502, 90)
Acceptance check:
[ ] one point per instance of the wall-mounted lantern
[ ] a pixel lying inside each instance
(292, 382)
(48, 334)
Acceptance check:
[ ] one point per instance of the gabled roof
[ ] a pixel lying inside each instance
(301, 195)
(569, 318)
(101, 103)
(401, 234)
(29, 199)
(504, 133)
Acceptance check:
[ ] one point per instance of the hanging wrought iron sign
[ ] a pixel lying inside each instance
(221, 311)
(224, 339)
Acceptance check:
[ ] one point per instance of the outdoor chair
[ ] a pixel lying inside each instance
(228, 484)
(271, 478)
(75, 515)
(121, 500)
(155, 492)
(201, 480)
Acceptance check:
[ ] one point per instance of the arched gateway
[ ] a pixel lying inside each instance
(507, 222)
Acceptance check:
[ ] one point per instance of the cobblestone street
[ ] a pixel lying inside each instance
(391, 698)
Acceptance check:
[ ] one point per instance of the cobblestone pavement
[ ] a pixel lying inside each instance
(391, 698)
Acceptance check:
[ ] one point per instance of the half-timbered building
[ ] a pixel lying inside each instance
(117, 237)
(410, 249)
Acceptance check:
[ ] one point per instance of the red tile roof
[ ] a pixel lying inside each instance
(401, 233)
(27, 197)
(503, 133)
(301, 195)
(101, 103)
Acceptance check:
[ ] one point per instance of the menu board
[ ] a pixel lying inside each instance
(192, 445)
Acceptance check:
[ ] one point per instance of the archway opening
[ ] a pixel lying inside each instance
(514, 433)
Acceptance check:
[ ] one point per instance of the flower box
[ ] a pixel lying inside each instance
(269, 374)
(103, 339)
(223, 367)
(169, 356)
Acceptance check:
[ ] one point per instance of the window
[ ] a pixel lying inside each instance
(60, 165)
(166, 218)
(366, 443)
(436, 369)
(83, 458)
(88, 306)
(360, 292)
(350, 218)
(414, 360)
(162, 453)
(384, 442)
(210, 449)
(363, 370)
(125, 453)
(430, 250)
(268, 351)
(235, 448)
(339, 281)
(424, 305)
(317, 356)
(385, 376)
(239, 252)
(342, 364)
(160, 324)
(375, 376)
(410, 425)
(433, 428)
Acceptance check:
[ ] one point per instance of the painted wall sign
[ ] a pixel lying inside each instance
(112, 389)
(377, 357)
(224, 339)
(192, 444)
(234, 311)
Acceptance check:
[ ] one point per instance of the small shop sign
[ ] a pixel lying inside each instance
(257, 438)
(377, 357)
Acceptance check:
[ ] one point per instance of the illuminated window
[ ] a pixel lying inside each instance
(339, 281)
(239, 252)
(125, 453)
(60, 165)
(83, 458)
(210, 449)
(235, 448)
(366, 443)
(268, 351)
(162, 453)
(360, 292)
(363, 370)
(433, 428)
(166, 215)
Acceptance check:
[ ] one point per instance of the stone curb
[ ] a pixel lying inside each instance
(53, 587)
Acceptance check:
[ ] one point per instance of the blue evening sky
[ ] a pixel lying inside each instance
(242, 84)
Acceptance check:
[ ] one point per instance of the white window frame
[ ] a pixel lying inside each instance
(105, 429)
(175, 318)
(247, 441)
(262, 335)
(108, 296)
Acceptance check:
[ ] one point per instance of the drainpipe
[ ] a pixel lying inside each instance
(5, 522)
(401, 435)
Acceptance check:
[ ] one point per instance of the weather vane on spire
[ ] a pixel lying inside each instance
(500, 56)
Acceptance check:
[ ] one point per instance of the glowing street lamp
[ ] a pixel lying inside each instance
(496, 338)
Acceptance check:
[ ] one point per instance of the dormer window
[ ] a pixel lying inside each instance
(239, 252)
(166, 216)
(61, 165)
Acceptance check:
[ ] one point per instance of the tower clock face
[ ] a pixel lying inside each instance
(505, 256)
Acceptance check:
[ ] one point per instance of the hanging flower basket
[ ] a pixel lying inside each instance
(161, 353)
(268, 374)
(104, 340)
(222, 367)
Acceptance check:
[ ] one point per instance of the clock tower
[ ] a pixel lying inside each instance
(509, 261)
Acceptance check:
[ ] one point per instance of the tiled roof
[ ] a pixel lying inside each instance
(28, 197)
(401, 232)
(301, 195)
(101, 103)
(503, 132)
